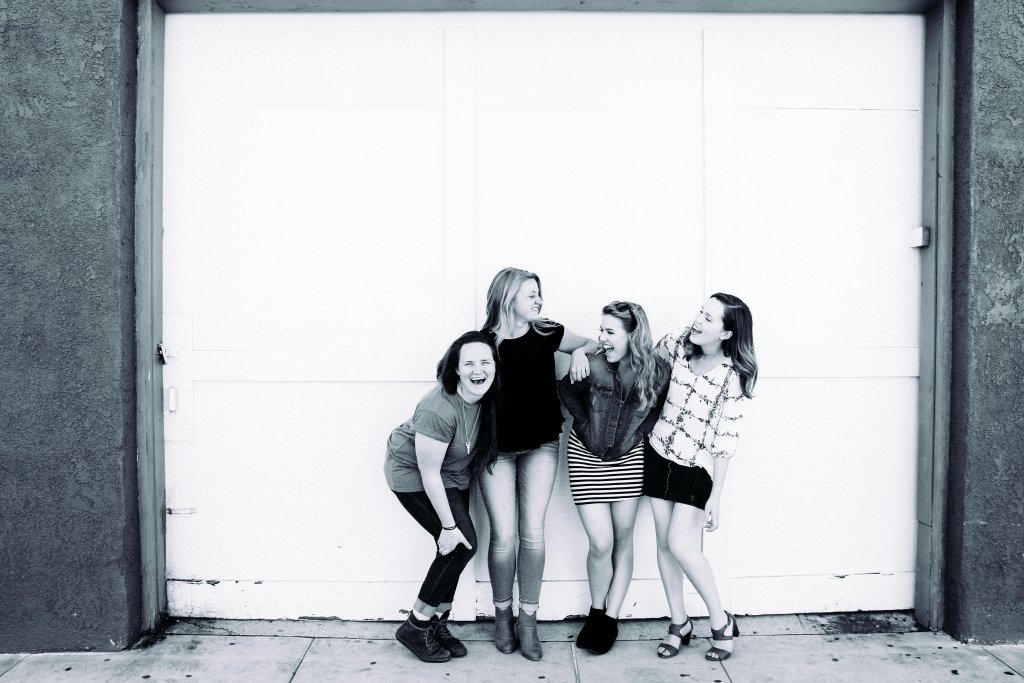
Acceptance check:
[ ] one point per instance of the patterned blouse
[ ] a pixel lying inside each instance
(702, 416)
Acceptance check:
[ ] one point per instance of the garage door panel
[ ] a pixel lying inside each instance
(301, 217)
(825, 207)
(258, 157)
(280, 477)
(827, 477)
(603, 62)
(596, 171)
(860, 62)
(393, 59)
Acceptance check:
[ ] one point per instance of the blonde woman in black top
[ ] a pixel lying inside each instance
(516, 486)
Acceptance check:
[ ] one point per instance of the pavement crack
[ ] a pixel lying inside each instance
(208, 628)
(1002, 661)
(301, 660)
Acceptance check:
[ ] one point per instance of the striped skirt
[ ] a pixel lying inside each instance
(593, 480)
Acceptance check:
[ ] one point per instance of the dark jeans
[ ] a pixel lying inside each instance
(443, 576)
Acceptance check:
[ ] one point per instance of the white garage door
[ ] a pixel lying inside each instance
(339, 190)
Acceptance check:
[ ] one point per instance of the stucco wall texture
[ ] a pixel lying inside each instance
(69, 558)
(985, 526)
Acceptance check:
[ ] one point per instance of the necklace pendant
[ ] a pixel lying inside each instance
(467, 447)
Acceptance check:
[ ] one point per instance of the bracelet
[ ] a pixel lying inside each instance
(450, 528)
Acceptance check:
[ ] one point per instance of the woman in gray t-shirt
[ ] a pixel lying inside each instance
(428, 464)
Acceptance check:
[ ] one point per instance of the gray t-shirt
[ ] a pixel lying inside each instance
(441, 416)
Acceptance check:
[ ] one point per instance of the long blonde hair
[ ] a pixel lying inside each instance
(641, 348)
(500, 297)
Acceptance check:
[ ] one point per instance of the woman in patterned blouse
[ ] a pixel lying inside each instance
(714, 370)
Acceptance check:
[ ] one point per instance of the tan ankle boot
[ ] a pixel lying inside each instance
(529, 641)
(505, 630)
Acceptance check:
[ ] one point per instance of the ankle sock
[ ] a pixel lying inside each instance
(417, 621)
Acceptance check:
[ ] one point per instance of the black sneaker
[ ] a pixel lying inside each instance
(420, 641)
(445, 637)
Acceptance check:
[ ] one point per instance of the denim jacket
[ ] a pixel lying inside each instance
(606, 416)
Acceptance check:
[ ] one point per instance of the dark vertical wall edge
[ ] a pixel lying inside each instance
(149, 376)
(923, 596)
(985, 576)
(936, 276)
(126, 174)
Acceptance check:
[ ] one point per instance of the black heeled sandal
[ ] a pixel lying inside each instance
(718, 635)
(667, 650)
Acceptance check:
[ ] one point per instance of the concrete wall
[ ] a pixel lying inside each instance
(69, 550)
(985, 526)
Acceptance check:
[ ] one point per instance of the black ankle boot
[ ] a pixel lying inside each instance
(419, 638)
(585, 638)
(449, 642)
(605, 632)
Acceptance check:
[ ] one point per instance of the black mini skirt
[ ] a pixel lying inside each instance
(668, 480)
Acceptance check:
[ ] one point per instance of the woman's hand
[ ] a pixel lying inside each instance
(711, 514)
(712, 518)
(450, 538)
(580, 366)
(579, 347)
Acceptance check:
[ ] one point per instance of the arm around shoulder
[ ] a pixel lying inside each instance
(580, 348)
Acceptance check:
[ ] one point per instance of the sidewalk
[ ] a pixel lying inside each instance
(857, 647)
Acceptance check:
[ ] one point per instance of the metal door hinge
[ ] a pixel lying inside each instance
(161, 353)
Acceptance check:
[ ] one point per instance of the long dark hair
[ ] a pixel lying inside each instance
(739, 347)
(485, 450)
(634, 321)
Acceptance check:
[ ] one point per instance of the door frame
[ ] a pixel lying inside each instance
(936, 259)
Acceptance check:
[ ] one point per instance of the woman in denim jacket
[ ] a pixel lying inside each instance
(613, 410)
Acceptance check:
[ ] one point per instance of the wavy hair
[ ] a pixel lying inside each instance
(641, 348)
(485, 450)
(500, 297)
(739, 347)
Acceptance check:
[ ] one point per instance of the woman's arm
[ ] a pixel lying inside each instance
(574, 398)
(429, 456)
(579, 347)
(666, 346)
(712, 518)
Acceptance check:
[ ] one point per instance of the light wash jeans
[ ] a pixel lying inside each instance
(516, 493)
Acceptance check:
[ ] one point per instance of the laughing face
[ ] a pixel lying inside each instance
(708, 329)
(475, 371)
(527, 303)
(613, 338)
